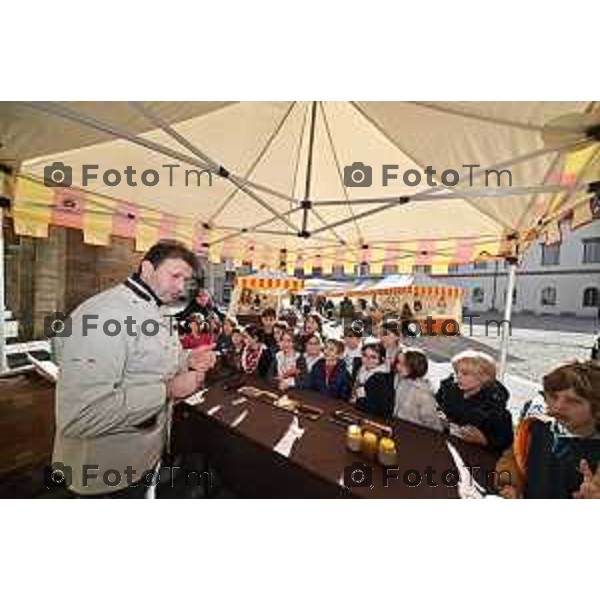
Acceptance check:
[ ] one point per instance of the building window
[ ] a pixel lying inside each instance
(591, 250)
(453, 268)
(421, 268)
(549, 296)
(591, 297)
(480, 265)
(550, 254)
(478, 295)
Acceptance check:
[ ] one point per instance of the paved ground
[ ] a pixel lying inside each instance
(537, 344)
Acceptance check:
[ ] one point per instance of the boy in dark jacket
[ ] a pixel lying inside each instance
(329, 375)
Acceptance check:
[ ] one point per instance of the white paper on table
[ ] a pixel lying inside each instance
(293, 433)
(214, 410)
(239, 401)
(468, 488)
(239, 419)
(197, 398)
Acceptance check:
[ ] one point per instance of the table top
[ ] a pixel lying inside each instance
(322, 451)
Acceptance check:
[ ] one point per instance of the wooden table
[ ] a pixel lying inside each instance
(244, 455)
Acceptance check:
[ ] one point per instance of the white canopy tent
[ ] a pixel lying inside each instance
(281, 173)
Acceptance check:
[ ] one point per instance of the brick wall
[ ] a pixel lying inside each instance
(58, 272)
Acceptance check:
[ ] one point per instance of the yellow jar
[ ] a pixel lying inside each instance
(369, 444)
(387, 452)
(354, 438)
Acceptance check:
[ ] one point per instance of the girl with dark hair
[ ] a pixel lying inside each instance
(313, 352)
(286, 368)
(255, 357)
(414, 400)
(373, 390)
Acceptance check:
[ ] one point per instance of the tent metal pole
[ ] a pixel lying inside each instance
(3, 361)
(219, 169)
(462, 193)
(506, 324)
(311, 144)
(54, 108)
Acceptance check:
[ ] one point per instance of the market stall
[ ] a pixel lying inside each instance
(416, 297)
(264, 289)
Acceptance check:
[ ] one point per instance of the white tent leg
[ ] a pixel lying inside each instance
(3, 362)
(506, 324)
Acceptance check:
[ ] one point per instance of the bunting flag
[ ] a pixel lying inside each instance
(486, 250)
(32, 208)
(147, 229)
(184, 232)
(308, 266)
(125, 219)
(215, 247)
(68, 208)
(376, 261)
(425, 252)
(98, 221)
(406, 257)
(439, 268)
(327, 265)
(290, 262)
(465, 249)
(265, 281)
(349, 261)
(167, 228)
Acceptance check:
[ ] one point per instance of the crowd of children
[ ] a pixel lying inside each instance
(385, 379)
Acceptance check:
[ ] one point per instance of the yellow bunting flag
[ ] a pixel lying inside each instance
(327, 265)
(184, 232)
(215, 248)
(376, 261)
(32, 208)
(349, 261)
(290, 264)
(98, 220)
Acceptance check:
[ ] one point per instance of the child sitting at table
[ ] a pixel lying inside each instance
(287, 369)
(224, 341)
(306, 362)
(278, 329)
(476, 401)
(373, 390)
(414, 400)
(255, 356)
(352, 351)
(556, 451)
(329, 375)
(197, 335)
